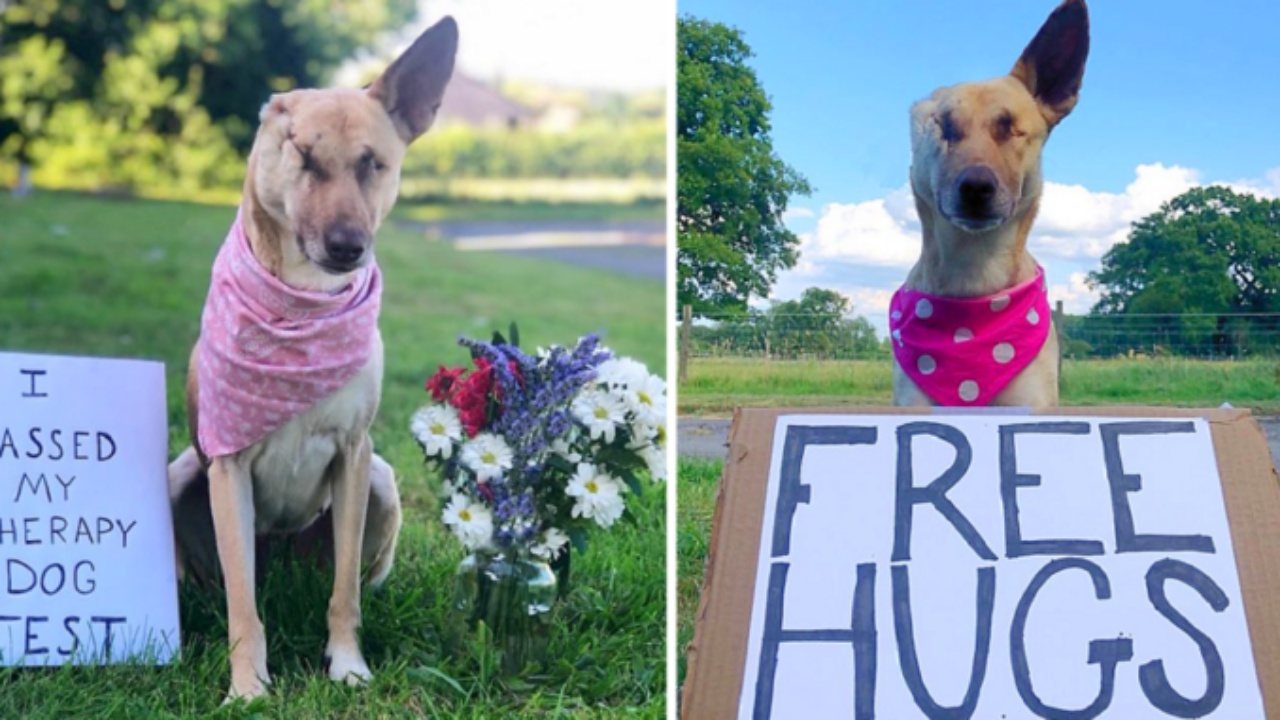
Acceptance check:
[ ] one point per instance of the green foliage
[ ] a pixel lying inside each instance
(820, 324)
(732, 186)
(1205, 255)
(162, 92)
(598, 147)
(162, 97)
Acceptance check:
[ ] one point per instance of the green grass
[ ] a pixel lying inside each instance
(128, 279)
(698, 483)
(717, 385)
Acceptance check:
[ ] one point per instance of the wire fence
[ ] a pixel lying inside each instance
(1232, 336)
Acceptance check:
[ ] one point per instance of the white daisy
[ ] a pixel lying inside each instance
(437, 428)
(600, 412)
(648, 400)
(599, 495)
(621, 372)
(656, 459)
(487, 455)
(562, 448)
(550, 544)
(470, 521)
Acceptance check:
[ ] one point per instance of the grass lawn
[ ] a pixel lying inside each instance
(128, 279)
(698, 483)
(717, 385)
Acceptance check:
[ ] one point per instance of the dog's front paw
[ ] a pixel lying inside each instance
(347, 665)
(250, 679)
(246, 690)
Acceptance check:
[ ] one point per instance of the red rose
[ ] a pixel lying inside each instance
(479, 382)
(472, 417)
(441, 384)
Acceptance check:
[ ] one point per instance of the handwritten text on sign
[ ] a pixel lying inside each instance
(996, 567)
(86, 538)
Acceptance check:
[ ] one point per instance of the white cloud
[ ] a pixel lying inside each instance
(1075, 222)
(868, 301)
(793, 213)
(1075, 295)
(882, 232)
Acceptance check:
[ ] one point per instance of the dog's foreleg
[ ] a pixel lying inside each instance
(350, 503)
(231, 495)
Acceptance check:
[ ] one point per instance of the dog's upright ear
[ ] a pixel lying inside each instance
(413, 86)
(1052, 65)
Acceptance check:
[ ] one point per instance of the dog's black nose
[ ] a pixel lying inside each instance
(977, 186)
(345, 244)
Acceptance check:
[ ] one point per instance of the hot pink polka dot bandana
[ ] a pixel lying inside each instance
(964, 351)
(269, 352)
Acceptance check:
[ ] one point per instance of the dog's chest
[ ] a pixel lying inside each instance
(290, 467)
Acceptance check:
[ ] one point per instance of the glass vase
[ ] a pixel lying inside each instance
(514, 598)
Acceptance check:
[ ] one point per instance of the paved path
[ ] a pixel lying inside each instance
(702, 439)
(636, 248)
(706, 439)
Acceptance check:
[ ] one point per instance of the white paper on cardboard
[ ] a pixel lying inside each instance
(87, 571)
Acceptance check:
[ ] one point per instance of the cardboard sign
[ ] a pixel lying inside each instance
(87, 571)
(987, 566)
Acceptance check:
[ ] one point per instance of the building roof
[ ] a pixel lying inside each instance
(476, 103)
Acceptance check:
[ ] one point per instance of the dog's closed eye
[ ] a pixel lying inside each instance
(309, 164)
(1004, 127)
(950, 131)
(369, 165)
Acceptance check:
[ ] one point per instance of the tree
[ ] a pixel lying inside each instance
(1209, 251)
(732, 188)
(819, 324)
(148, 91)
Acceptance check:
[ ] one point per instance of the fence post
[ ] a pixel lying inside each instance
(686, 330)
(1058, 315)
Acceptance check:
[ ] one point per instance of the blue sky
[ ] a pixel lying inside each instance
(1176, 93)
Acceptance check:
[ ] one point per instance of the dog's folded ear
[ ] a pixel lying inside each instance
(413, 86)
(1052, 66)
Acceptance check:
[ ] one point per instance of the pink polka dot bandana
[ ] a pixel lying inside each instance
(964, 351)
(269, 352)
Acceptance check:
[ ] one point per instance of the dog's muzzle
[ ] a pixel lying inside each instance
(976, 199)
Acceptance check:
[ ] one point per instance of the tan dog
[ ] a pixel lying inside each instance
(323, 174)
(975, 173)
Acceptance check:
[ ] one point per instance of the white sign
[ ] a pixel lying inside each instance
(87, 570)
(996, 567)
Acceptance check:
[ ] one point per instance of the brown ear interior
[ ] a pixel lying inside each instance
(412, 88)
(1052, 65)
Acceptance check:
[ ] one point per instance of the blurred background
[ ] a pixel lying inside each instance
(551, 137)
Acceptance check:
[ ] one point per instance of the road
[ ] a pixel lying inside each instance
(636, 248)
(706, 439)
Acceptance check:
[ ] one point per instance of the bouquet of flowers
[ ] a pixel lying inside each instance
(536, 450)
